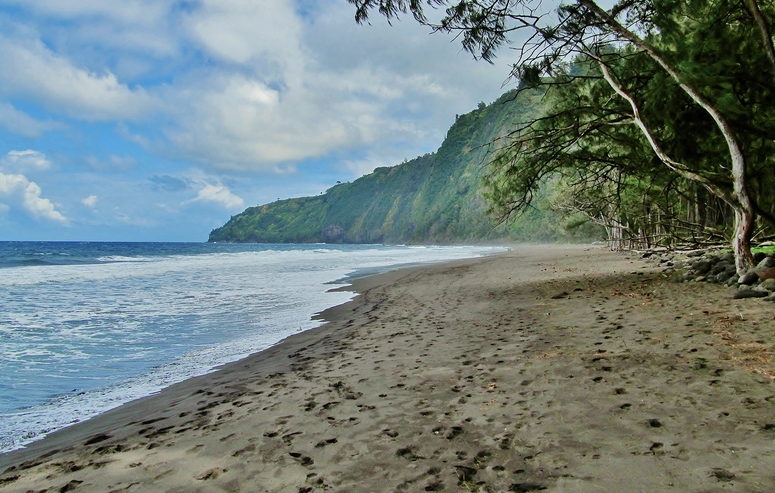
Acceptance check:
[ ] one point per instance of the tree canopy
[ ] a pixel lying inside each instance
(658, 115)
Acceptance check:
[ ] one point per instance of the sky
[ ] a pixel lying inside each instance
(157, 120)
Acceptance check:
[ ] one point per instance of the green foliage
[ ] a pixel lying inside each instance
(698, 77)
(608, 169)
(435, 198)
(769, 250)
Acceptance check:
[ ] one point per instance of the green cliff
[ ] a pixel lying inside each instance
(434, 198)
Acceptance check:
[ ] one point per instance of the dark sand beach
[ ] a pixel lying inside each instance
(546, 368)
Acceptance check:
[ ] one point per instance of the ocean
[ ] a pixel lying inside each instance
(88, 326)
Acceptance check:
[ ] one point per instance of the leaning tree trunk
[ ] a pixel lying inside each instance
(745, 217)
(740, 200)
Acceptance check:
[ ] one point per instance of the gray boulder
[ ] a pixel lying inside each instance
(749, 277)
(749, 293)
(768, 284)
(720, 267)
(701, 267)
(723, 277)
(766, 263)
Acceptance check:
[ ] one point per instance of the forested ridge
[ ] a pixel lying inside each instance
(656, 123)
(659, 120)
(435, 198)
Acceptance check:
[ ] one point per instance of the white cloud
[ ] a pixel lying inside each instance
(262, 33)
(28, 159)
(113, 162)
(21, 123)
(64, 88)
(239, 123)
(289, 88)
(219, 194)
(239, 85)
(90, 201)
(18, 186)
(10, 183)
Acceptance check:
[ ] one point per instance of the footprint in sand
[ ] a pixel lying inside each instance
(211, 474)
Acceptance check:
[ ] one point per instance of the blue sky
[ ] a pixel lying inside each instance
(156, 120)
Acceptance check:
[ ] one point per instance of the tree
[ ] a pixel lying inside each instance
(608, 171)
(674, 36)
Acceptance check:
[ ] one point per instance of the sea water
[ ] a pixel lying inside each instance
(85, 327)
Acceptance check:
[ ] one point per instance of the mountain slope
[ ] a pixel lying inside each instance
(431, 199)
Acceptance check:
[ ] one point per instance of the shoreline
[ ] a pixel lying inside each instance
(565, 368)
(249, 324)
(269, 360)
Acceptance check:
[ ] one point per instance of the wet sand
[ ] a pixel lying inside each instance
(546, 368)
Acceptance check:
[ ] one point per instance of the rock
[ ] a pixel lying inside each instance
(770, 297)
(732, 281)
(767, 263)
(767, 273)
(759, 256)
(701, 267)
(720, 267)
(749, 293)
(722, 277)
(749, 278)
(768, 284)
(728, 257)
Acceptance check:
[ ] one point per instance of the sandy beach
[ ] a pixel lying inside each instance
(545, 368)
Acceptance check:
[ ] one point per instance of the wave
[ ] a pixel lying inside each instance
(144, 316)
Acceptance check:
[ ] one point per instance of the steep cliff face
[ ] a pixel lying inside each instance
(434, 198)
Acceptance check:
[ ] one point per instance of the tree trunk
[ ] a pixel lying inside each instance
(744, 225)
(740, 200)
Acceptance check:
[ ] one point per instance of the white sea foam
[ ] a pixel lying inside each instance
(77, 340)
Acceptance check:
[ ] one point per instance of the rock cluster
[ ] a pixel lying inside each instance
(719, 268)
